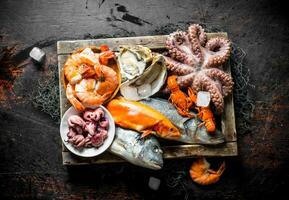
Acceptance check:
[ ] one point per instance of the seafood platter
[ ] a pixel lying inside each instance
(169, 97)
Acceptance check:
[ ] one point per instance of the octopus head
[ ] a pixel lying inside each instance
(89, 115)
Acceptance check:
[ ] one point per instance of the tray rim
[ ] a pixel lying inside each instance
(229, 147)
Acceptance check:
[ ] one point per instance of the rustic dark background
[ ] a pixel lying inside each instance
(30, 146)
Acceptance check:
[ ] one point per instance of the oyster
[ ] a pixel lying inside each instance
(133, 60)
(148, 83)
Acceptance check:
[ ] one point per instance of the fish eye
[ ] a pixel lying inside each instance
(156, 149)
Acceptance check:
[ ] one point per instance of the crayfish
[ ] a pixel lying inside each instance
(183, 103)
(179, 99)
(206, 115)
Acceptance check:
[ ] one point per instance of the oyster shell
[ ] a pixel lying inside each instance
(133, 60)
(147, 83)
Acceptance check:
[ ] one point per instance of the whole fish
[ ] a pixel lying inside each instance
(145, 152)
(190, 132)
(142, 118)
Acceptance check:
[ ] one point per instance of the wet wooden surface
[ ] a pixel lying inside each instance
(31, 165)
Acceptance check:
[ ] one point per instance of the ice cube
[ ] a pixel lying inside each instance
(154, 183)
(144, 90)
(203, 99)
(37, 54)
(129, 92)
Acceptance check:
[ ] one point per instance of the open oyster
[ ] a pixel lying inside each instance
(147, 83)
(133, 60)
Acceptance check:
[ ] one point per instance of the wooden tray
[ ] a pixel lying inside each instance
(229, 148)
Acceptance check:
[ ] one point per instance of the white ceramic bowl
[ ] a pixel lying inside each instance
(86, 152)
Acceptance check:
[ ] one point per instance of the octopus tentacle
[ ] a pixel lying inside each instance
(197, 37)
(202, 82)
(225, 79)
(179, 48)
(186, 80)
(177, 67)
(199, 31)
(183, 81)
(219, 50)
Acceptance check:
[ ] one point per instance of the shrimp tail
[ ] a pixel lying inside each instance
(221, 169)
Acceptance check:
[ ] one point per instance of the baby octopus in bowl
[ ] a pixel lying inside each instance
(87, 133)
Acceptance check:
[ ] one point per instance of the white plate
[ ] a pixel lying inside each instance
(86, 152)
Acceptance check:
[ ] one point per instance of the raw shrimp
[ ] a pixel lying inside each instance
(93, 93)
(90, 83)
(70, 94)
(104, 57)
(80, 65)
(86, 92)
(107, 79)
(202, 174)
(87, 56)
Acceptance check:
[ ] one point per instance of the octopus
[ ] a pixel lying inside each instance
(88, 130)
(198, 63)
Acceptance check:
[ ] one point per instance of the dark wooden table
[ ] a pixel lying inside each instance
(30, 146)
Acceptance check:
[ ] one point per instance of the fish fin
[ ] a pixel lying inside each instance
(201, 124)
(159, 122)
(145, 133)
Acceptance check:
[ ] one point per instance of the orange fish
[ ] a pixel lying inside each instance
(140, 117)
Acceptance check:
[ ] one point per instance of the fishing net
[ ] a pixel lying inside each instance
(243, 104)
(46, 96)
(176, 176)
